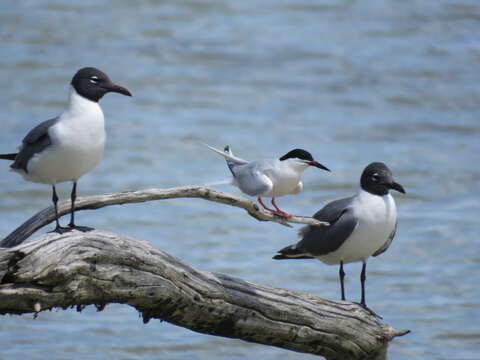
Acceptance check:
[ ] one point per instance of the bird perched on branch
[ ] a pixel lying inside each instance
(360, 226)
(68, 146)
(269, 178)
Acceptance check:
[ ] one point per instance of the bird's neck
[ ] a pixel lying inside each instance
(296, 166)
(364, 194)
(80, 107)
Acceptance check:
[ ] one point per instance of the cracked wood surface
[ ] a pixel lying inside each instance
(47, 215)
(78, 269)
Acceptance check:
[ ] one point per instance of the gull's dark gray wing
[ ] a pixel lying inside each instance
(321, 240)
(387, 243)
(36, 141)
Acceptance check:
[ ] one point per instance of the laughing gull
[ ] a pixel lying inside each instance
(70, 145)
(269, 178)
(360, 226)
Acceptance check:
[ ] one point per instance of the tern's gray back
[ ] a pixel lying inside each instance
(251, 178)
(35, 142)
(321, 240)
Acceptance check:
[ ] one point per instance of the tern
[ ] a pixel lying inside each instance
(271, 177)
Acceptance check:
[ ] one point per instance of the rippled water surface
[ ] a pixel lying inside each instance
(350, 81)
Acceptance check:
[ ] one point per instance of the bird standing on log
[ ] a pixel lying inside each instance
(360, 226)
(68, 146)
(271, 177)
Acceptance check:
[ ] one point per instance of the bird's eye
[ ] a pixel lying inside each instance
(94, 79)
(375, 177)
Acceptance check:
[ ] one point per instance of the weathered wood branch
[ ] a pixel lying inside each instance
(47, 215)
(78, 269)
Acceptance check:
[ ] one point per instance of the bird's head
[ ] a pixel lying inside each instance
(378, 179)
(92, 84)
(302, 159)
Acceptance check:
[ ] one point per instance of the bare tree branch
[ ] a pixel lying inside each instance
(78, 269)
(47, 215)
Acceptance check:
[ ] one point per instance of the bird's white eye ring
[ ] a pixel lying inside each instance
(94, 79)
(375, 177)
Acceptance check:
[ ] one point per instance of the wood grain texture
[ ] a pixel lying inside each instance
(93, 202)
(79, 269)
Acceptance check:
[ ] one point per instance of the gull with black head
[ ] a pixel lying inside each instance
(360, 226)
(270, 177)
(68, 146)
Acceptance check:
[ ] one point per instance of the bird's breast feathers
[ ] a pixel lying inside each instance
(77, 144)
(285, 180)
(377, 216)
(81, 126)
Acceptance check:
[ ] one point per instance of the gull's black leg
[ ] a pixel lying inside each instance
(58, 228)
(341, 273)
(363, 277)
(55, 202)
(73, 197)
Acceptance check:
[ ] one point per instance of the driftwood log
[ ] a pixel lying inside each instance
(77, 269)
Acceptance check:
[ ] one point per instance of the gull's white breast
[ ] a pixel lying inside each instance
(377, 216)
(78, 141)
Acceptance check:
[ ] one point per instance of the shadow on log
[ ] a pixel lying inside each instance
(97, 268)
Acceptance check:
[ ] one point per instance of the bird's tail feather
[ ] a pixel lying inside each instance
(8, 156)
(220, 182)
(227, 155)
(230, 163)
(291, 252)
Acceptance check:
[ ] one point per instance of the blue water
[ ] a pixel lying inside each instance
(350, 81)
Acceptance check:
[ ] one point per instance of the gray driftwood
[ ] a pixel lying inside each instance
(47, 215)
(77, 269)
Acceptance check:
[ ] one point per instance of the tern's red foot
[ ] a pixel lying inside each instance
(281, 213)
(278, 211)
(264, 206)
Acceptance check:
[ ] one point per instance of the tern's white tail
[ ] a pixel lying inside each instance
(227, 155)
(221, 182)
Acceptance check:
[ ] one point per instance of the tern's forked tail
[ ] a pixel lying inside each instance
(230, 163)
(220, 182)
(227, 155)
